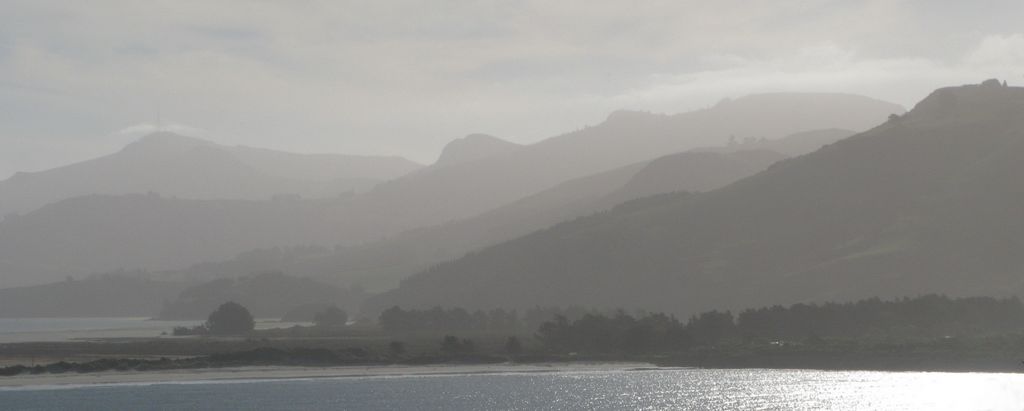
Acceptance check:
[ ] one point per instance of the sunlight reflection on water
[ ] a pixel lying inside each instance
(622, 389)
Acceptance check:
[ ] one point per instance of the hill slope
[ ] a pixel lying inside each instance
(928, 202)
(158, 233)
(267, 295)
(436, 195)
(381, 265)
(474, 147)
(107, 296)
(98, 234)
(185, 167)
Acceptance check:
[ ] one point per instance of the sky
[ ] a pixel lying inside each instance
(81, 79)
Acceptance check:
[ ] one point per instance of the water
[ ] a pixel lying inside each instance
(602, 390)
(64, 329)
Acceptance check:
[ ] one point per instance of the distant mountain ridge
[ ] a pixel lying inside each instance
(103, 233)
(178, 166)
(927, 202)
(107, 232)
(474, 147)
(381, 265)
(793, 145)
(108, 296)
(266, 295)
(436, 195)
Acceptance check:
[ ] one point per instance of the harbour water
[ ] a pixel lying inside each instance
(65, 329)
(574, 390)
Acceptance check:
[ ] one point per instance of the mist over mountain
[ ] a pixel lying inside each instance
(437, 195)
(926, 202)
(793, 145)
(781, 201)
(692, 171)
(381, 265)
(472, 148)
(139, 294)
(266, 295)
(177, 166)
(103, 233)
(121, 295)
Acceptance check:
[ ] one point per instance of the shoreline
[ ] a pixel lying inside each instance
(256, 373)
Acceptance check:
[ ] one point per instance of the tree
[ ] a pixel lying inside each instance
(467, 346)
(331, 317)
(394, 320)
(450, 344)
(230, 318)
(513, 346)
(557, 334)
(711, 327)
(397, 348)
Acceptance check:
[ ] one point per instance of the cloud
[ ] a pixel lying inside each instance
(404, 77)
(142, 129)
(999, 51)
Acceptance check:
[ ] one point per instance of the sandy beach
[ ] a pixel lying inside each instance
(259, 373)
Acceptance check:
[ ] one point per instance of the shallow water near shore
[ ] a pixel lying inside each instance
(66, 329)
(566, 389)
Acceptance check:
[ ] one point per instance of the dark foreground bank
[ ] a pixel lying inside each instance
(953, 355)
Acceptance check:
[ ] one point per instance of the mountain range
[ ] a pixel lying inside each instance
(381, 265)
(126, 220)
(926, 202)
(177, 166)
(439, 194)
(122, 295)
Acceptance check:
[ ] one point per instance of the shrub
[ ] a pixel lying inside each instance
(230, 318)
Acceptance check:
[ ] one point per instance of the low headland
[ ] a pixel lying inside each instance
(929, 333)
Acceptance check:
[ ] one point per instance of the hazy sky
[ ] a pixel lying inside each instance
(81, 78)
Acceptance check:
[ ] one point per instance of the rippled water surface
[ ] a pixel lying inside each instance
(625, 389)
